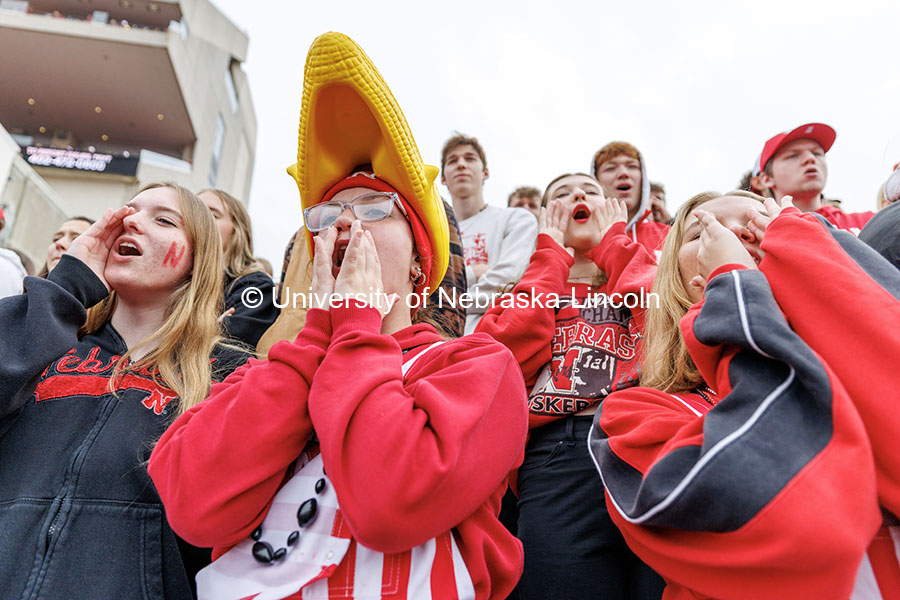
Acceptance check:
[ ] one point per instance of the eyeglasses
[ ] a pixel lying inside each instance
(369, 208)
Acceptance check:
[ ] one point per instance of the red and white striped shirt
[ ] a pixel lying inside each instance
(326, 562)
(879, 573)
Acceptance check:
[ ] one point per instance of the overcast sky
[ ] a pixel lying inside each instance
(697, 86)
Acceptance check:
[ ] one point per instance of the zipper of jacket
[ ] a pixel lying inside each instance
(87, 442)
(63, 502)
(52, 529)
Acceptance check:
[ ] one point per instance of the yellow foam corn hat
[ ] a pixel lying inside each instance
(349, 117)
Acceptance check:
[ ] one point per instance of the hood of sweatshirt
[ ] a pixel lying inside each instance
(418, 334)
(644, 207)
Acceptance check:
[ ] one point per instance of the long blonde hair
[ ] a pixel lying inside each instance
(190, 330)
(238, 253)
(666, 363)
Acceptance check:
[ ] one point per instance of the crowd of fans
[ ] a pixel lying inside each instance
(730, 437)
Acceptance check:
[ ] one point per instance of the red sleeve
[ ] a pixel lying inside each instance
(835, 292)
(527, 328)
(217, 468)
(807, 543)
(769, 494)
(712, 360)
(412, 460)
(630, 267)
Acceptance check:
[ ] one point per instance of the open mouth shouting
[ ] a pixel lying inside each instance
(581, 213)
(623, 189)
(337, 259)
(128, 247)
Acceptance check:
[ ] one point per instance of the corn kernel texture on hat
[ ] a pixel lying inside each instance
(349, 117)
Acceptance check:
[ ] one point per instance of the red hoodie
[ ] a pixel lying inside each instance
(410, 459)
(650, 234)
(775, 491)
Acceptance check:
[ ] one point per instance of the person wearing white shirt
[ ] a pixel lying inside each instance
(497, 242)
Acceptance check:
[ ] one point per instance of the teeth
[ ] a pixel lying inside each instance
(129, 249)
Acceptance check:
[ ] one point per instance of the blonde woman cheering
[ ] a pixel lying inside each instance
(82, 400)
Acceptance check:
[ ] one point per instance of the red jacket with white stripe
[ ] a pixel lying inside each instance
(773, 493)
(411, 459)
(573, 354)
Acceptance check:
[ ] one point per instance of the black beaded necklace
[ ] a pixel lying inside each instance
(264, 552)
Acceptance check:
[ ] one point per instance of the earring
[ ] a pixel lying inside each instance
(417, 277)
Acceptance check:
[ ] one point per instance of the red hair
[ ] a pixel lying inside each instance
(611, 151)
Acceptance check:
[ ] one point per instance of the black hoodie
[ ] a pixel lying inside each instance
(79, 516)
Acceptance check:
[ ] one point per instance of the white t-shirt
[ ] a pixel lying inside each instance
(503, 238)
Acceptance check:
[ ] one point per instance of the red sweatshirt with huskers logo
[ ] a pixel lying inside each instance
(574, 352)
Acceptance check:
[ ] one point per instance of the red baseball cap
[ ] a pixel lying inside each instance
(818, 132)
(1, 213)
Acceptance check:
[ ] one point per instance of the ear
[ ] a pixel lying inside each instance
(415, 269)
(766, 181)
(486, 174)
(443, 181)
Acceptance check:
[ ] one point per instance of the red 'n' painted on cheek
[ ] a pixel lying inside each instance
(173, 256)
